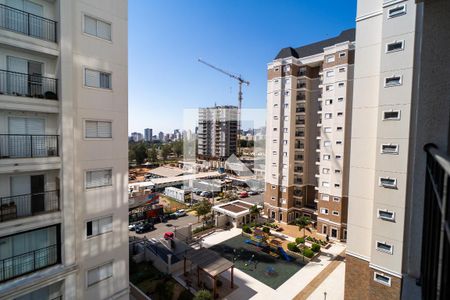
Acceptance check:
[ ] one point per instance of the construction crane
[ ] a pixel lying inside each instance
(240, 82)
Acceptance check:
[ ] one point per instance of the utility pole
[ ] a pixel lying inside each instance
(240, 97)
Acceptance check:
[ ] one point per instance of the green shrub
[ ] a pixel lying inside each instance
(246, 229)
(203, 295)
(292, 247)
(315, 247)
(309, 238)
(266, 229)
(308, 252)
(300, 240)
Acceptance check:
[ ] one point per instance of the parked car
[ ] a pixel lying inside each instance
(198, 192)
(180, 213)
(243, 194)
(168, 235)
(253, 193)
(132, 227)
(145, 228)
(172, 216)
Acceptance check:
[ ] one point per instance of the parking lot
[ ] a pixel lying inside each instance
(160, 228)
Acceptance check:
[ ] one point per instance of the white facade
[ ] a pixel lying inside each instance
(63, 159)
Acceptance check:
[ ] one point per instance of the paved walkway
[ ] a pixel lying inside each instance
(317, 282)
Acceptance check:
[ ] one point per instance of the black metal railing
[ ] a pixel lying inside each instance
(25, 146)
(21, 206)
(32, 261)
(26, 23)
(435, 262)
(26, 85)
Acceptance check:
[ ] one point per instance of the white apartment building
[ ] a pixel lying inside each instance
(400, 104)
(308, 96)
(217, 132)
(63, 150)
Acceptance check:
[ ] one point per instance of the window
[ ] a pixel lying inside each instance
(342, 54)
(275, 129)
(393, 81)
(388, 182)
(384, 247)
(275, 117)
(386, 215)
(336, 199)
(97, 28)
(335, 213)
(389, 149)
(286, 93)
(99, 273)
(329, 88)
(277, 69)
(338, 142)
(339, 128)
(286, 118)
(381, 278)
(330, 58)
(274, 152)
(337, 185)
(98, 129)
(340, 99)
(395, 46)
(327, 143)
(325, 197)
(285, 130)
(98, 178)
(325, 171)
(275, 105)
(273, 187)
(286, 68)
(285, 166)
(328, 102)
(327, 129)
(283, 201)
(397, 11)
(326, 157)
(302, 71)
(99, 226)
(341, 84)
(325, 184)
(274, 176)
(330, 73)
(391, 115)
(324, 211)
(328, 115)
(275, 141)
(341, 70)
(338, 157)
(284, 153)
(286, 105)
(285, 142)
(276, 93)
(283, 189)
(97, 79)
(337, 171)
(340, 114)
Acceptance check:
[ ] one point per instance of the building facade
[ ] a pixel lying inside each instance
(400, 105)
(217, 132)
(308, 99)
(148, 134)
(63, 159)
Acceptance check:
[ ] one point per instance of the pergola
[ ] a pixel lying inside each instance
(209, 262)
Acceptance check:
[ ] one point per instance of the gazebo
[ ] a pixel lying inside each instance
(210, 263)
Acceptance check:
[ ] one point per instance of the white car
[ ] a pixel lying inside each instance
(180, 213)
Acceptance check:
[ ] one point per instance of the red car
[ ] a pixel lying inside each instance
(243, 195)
(168, 235)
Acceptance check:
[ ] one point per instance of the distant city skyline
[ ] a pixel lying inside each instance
(240, 37)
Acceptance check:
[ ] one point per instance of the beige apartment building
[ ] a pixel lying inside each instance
(398, 238)
(309, 96)
(63, 149)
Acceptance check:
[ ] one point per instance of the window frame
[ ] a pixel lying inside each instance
(399, 13)
(100, 186)
(98, 268)
(97, 19)
(98, 219)
(396, 152)
(388, 85)
(100, 71)
(391, 119)
(379, 216)
(391, 251)
(393, 186)
(388, 283)
(85, 137)
(402, 42)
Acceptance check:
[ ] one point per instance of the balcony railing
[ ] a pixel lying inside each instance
(21, 206)
(26, 146)
(26, 23)
(435, 271)
(32, 261)
(25, 85)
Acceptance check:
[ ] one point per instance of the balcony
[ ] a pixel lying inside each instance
(26, 23)
(28, 146)
(25, 85)
(22, 206)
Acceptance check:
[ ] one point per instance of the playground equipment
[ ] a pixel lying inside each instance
(284, 254)
(270, 271)
(273, 248)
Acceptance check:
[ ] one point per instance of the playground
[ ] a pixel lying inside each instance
(260, 258)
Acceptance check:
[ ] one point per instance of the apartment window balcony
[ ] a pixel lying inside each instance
(26, 85)
(300, 110)
(301, 97)
(22, 206)
(29, 252)
(300, 122)
(28, 146)
(27, 23)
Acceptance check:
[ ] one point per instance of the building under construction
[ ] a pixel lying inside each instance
(217, 132)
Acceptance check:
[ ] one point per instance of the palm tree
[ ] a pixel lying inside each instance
(303, 224)
(255, 211)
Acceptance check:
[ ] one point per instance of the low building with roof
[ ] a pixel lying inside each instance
(237, 213)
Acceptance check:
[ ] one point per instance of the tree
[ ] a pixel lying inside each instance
(303, 224)
(202, 208)
(177, 148)
(153, 154)
(255, 211)
(165, 151)
(131, 155)
(140, 152)
(203, 295)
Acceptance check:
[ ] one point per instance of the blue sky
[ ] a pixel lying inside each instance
(166, 37)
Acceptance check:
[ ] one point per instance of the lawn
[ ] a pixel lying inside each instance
(235, 249)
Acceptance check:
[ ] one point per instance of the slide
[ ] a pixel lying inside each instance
(284, 254)
(252, 242)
